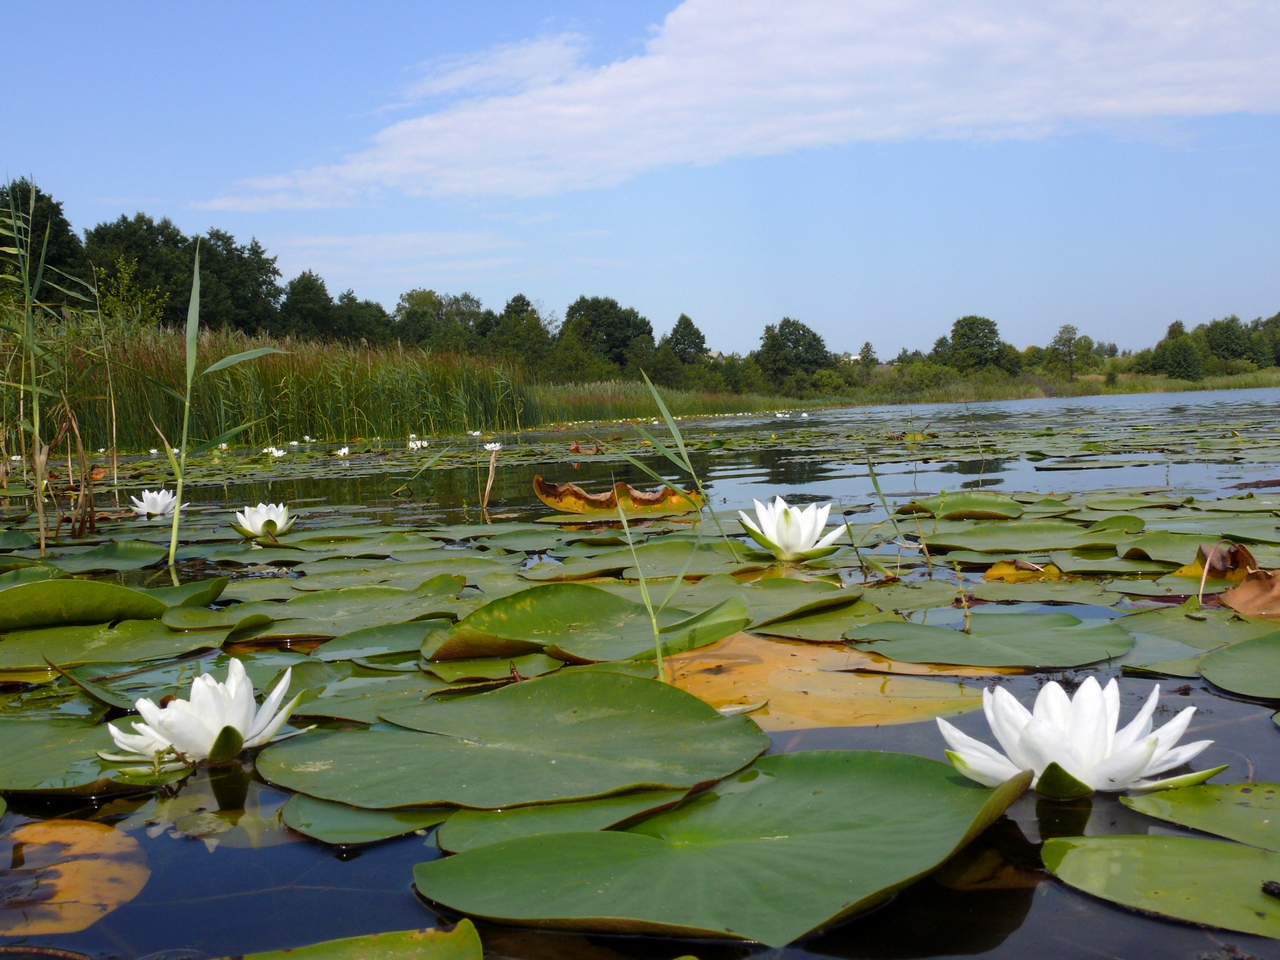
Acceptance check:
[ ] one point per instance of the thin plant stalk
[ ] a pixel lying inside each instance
(192, 344)
(488, 487)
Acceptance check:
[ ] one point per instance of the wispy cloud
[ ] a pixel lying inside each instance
(730, 78)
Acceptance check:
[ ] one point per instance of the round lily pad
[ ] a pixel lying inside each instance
(563, 736)
(998, 640)
(341, 824)
(794, 842)
(1250, 668)
(1201, 881)
(47, 603)
(1248, 812)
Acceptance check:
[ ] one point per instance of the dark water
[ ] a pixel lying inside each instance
(233, 898)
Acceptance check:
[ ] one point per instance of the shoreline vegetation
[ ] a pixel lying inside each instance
(91, 339)
(339, 392)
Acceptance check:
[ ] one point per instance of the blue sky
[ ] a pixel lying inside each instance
(873, 169)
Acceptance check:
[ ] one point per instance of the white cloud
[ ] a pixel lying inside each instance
(730, 78)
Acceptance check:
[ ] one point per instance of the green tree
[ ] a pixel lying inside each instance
(686, 341)
(789, 347)
(520, 334)
(867, 356)
(1183, 361)
(1176, 329)
(606, 327)
(1227, 338)
(355, 320)
(122, 300)
(1064, 349)
(1261, 351)
(51, 233)
(1010, 359)
(307, 310)
(1033, 357)
(941, 352)
(975, 343)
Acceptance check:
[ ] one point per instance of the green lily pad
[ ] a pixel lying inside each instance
(827, 626)
(15, 540)
(380, 641)
(666, 557)
(917, 595)
(112, 557)
(340, 824)
(199, 593)
(1179, 548)
(1171, 586)
(409, 576)
(468, 829)
(56, 602)
(363, 695)
(966, 505)
(31, 574)
(564, 736)
(460, 943)
(59, 757)
(1200, 881)
(1248, 812)
(580, 623)
(1023, 536)
(126, 641)
(795, 842)
(1250, 668)
(768, 600)
(997, 640)
(493, 668)
(1069, 562)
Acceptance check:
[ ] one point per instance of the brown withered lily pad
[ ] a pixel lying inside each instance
(1258, 595)
(571, 498)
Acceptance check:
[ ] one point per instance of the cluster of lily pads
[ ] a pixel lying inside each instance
(500, 680)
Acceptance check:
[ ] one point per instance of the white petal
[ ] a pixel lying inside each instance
(1111, 697)
(981, 763)
(1042, 743)
(1140, 725)
(1118, 772)
(1177, 757)
(276, 723)
(1087, 725)
(189, 736)
(1168, 736)
(266, 713)
(1007, 718)
(1053, 706)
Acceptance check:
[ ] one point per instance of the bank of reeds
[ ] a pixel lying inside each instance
(330, 392)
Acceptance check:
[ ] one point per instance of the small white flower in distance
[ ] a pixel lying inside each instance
(493, 447)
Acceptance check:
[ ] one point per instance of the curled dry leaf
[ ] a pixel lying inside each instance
(1224, 561)
(1257, 595)
(571, 498)
(66, 875)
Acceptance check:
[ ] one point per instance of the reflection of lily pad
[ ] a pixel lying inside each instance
(560, 737)
(998, 639)
(1248, 812)
(66, 875)
(1201, 881)
(795, 842)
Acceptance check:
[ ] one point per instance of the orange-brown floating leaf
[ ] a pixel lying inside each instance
(571, 498)
(66, 875)
(1258, 595)
(807, 685)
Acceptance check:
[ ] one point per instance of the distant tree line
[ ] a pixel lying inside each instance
(142, 271)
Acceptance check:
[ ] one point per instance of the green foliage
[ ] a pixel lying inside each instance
(686, 341)
(1182, 360)
(606, 327)
(789, 347)
(975, 343)
(64, 254)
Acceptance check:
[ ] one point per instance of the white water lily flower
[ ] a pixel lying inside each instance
(154, 450)
(191, 729)
(1077, 734)
(224, 446)
(493, 447)
(418, 444)
(16, 456)
(274, 451)
(789, 533)
(473, 433)
(343, 451)
(293, 443)
(413, 436)
(306, 439)
(154, 503)
(272, 518)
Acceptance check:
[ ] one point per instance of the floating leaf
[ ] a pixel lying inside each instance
(199, 593)
(112, 557)
(1257, 595)
(768, 600)
(810, 686)
(65, 875)
(128, 640)
(1250, 668)
(1248, 812)
(1200, 881)
(998, 639)
(580, 623)
(1061, 591)
(965, 505)
(663, 558)
(565, 736)
(826, 626)
(571, 498)
(363, 695)
(57, 602)
(460, 943)
(60, 757)
(340, 824)
(1171, 587)
(910, 597)
(795, 842)
(468, 829)
(380, 641)
(1022, 536)
(493, 668)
